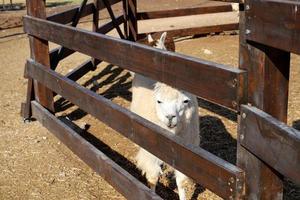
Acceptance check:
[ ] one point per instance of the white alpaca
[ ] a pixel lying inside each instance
(174, 110)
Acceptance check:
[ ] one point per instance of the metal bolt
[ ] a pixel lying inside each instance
(234, 82)
(231, 189)
(247, 7)
(231, 179)
(229, 183)
(234, 104)
(244, 115)
(248, 31)
(241, 137)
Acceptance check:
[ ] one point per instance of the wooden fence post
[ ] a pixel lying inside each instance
(95, 62)
(132, 20)
(125, 15)
(39, 50)
(268, 78)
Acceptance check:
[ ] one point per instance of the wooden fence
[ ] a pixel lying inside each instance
(267, 148)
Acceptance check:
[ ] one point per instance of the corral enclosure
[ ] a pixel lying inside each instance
(236, 87)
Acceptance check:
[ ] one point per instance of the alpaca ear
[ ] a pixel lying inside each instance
(157, 86)
(150, 39)
(163, 38)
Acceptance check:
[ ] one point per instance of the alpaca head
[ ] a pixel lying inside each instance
(160, 44)
(174, 108)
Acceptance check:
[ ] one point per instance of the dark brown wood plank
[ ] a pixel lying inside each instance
(68, 15)
(268, 77)
(274, 23)
(95, 27)
(271, 141)
(132, 20)
(55, 59)
(125, 17)
(112, 16)
(105, 28)
(196, 30)
(26, 106)
(197, 76)
(183, 12)
(121, 180)
(39, 51)
(212, 172)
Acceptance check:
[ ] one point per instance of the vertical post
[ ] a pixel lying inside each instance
(95, 28)
(268, 78)
(125, 16)
(39, 50)
(132, 20)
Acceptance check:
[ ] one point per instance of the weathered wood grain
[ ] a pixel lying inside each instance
(67, 16)
(39, 51)
(54, 54)
(183, 11)
(121, 180)
(268, 78)
(195, 30)
(197, 76)
(274, 23)
(271, 141)
(212, 172)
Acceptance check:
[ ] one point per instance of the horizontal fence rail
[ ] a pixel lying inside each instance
(115, 175)
(197, 76)
(271, 141)
(274, 23)
(207, 169)
(56, 56)
(67, 16)
(184, 11)
(195, 30)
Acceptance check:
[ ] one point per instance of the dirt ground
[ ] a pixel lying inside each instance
(35, 165)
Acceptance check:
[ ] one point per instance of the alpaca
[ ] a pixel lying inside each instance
(172, 109)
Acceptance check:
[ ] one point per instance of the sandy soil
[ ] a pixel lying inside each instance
(35, 165)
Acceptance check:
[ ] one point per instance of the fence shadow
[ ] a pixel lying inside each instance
(119, 88)
(224, 112)
(162, 190)
(296, 124)
(216, 139)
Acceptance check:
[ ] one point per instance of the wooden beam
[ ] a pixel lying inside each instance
(132, 20)
(121, 180)
(197, 76)
(207, 169)
(184, 11)
(268, 78)
(39, 50)
(95, 28)
(195, 30)
(274, 23)
(105, 28)
(112, 16)
(55, 59)
(68, 15)
(271, 141)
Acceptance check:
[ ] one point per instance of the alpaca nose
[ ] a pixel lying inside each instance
(170, 117)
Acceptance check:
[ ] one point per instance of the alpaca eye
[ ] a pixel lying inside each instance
(159, 102)
(186, 101)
